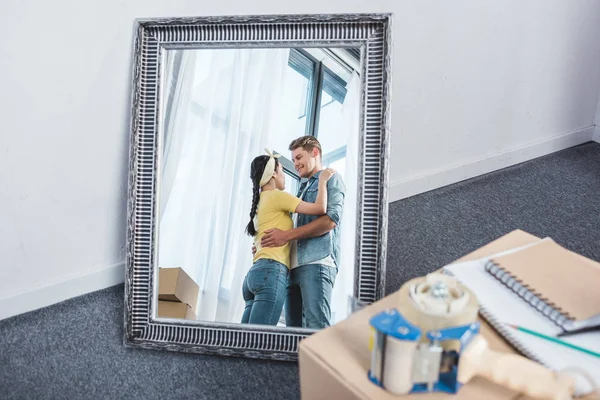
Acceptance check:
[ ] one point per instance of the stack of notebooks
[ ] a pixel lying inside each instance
(544, 288)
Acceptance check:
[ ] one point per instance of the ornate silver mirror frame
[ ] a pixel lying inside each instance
(370, 32)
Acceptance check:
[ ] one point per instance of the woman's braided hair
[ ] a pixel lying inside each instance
(256, 170)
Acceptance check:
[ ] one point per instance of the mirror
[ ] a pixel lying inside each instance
(258, 182)
(221, 108)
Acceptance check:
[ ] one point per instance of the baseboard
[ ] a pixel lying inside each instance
(61, 291)
(420, 184)
(596, 137)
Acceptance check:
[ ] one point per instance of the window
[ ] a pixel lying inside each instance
(330, 118)
(294, 111)
(318, 95)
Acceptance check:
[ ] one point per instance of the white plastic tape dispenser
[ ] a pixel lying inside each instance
(431, 343)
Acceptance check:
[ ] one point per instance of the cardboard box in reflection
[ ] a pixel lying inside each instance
(175, 309)
(177, 294)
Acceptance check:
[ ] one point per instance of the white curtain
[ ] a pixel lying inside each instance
(344, 284)
(224, 123)
(175, 114)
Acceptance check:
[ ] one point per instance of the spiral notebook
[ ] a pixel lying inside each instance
(562, 285)
(539, 286)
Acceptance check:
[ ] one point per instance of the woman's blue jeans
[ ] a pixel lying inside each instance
(264, 291)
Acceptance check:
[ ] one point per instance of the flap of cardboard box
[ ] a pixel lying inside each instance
(175, 309)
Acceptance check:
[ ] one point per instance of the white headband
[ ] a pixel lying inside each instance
(269, 168)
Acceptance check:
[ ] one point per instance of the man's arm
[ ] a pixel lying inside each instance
(318, 227)
(336, 192)
(277, 237)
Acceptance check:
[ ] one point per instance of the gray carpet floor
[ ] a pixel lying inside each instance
(73, 350)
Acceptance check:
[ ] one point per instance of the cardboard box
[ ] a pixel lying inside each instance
(175, 309)
(334, 362)
(175, 285)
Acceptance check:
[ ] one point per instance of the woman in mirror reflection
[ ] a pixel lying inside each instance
(264, 287)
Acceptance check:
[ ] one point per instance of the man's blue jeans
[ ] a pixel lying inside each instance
(264, 291)
(308, 302)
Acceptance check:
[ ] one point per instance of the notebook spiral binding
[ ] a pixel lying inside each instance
(536, 300)
(507, 333)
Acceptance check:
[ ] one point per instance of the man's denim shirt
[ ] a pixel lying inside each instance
(317, 248)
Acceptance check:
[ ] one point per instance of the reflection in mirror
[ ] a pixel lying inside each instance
(245, 237)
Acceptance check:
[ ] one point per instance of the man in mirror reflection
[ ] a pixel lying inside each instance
(312, 242)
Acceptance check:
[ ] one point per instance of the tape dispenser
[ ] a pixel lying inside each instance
(432, 343)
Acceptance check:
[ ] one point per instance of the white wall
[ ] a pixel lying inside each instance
(483, 85)
(473, 81)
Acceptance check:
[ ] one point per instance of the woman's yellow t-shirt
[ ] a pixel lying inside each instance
(274, 208)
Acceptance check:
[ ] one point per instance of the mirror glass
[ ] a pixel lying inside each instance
(220, 109)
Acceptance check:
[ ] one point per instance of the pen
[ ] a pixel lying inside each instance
(555, 340)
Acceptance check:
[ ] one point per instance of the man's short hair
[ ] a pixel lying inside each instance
(308, 143)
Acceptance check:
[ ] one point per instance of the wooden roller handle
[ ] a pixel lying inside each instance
(512, 371)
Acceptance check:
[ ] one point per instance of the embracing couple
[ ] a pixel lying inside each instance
(295, 262)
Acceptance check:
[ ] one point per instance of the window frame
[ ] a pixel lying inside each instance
(320, 78)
